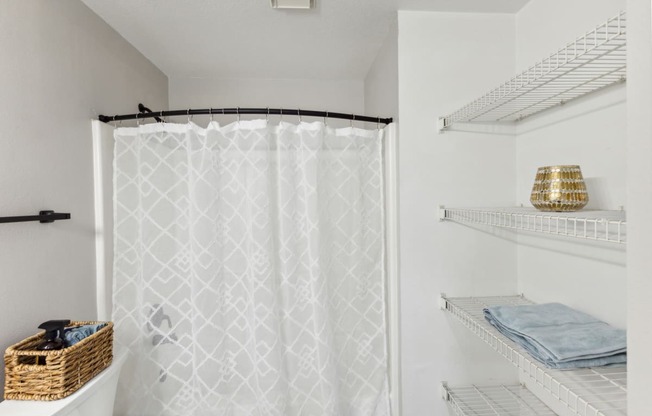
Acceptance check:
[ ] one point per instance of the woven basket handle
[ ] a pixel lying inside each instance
(39, 360)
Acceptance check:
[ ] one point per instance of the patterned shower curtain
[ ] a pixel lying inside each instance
(249, 275)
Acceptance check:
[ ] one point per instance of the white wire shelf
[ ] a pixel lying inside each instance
(606, 226)
(600, 391)
(495, 401)
(593, 61)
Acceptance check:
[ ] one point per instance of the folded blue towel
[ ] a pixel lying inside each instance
(73, 335)
(560, 337)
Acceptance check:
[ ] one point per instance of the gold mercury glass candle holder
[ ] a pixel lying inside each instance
(559, 188)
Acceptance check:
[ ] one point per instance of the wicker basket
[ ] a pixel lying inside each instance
(52, 375)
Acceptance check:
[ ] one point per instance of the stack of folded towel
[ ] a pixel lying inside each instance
(560, 337)
(74, 334)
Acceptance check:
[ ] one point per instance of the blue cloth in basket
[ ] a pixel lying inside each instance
(558, 336)
(73, 335)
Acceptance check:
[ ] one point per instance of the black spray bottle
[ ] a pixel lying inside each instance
(53, 338)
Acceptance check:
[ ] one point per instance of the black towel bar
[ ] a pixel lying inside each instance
(43, 217)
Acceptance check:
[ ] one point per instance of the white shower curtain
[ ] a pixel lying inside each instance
(249, 275)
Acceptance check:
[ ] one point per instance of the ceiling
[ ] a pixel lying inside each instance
(248, 39)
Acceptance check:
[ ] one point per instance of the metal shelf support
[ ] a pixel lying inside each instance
(606, 226)
(590, 63)
(600, 391)
(498, 400)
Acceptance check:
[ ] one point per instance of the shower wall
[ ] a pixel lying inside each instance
(61, 67)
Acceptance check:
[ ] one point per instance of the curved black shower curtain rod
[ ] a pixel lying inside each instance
(145, 112)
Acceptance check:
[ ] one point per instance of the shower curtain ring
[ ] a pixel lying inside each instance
(281, 114)
(378, 123)
(238, 112)
(325, 117)
(114, 123)
(210, 111)
(161, 116)
(352, 119)
(137, 119)
(299, 114)
(189, 116)
(267, 115)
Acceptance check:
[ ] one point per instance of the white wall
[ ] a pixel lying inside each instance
(61, 66)
(381, 82)
(639, 203)
(590, 132)
(445, 60)
(342, 96)
(544, 26)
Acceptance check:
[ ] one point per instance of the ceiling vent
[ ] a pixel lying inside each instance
(293, 4)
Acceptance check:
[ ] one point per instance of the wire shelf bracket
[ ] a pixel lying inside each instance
(600, 391)
(591, 62)
(501, 400)
(605, 226)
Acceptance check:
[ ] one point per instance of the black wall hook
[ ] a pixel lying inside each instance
(143, 109)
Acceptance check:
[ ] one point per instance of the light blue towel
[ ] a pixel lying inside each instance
(75, 334)
(560, 337)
